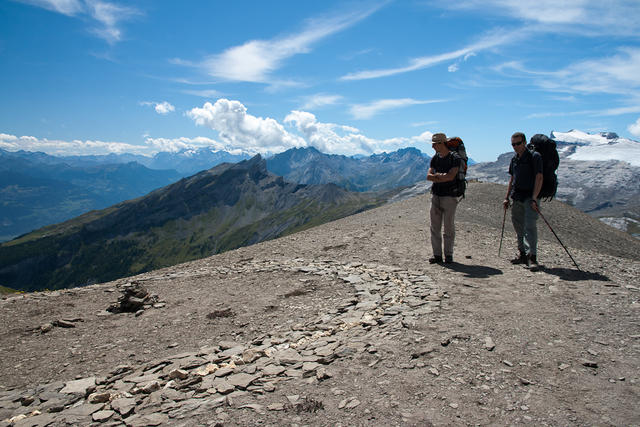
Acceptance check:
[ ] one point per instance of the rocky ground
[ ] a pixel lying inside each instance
(344, 324)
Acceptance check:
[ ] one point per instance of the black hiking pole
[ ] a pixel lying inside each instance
(562, 244)
(502, 234)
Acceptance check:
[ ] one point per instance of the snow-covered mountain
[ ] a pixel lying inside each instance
(598, 173)
(578, 145)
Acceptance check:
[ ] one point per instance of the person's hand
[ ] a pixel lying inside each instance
(534, 205)
(505, 204)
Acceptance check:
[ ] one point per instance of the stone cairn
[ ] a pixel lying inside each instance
(134, 299)
(227, 375)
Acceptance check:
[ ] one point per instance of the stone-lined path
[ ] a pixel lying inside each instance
(192, 383)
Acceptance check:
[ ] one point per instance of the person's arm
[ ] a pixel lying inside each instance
(442, 177)
(505, 204)
(537, 186)
(431, 175)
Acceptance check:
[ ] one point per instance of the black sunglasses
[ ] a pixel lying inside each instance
(515, 144)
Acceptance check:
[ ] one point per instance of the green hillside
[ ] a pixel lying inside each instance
(214, 211)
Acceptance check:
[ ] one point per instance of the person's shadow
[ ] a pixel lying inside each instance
(574, 275)
(473, 271)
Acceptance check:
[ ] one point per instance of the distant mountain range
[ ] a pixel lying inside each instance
(37, 189)
(229, 206)
(378, 172)
(598, 174)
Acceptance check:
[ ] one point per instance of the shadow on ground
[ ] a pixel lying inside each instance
(473, 271)
(574, 275)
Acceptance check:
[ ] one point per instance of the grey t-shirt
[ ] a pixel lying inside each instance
(524, 170)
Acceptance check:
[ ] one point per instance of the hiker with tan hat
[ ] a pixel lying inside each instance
(443, 171)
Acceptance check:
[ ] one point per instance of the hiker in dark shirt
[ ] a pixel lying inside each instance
(524, 187)
(443, 171)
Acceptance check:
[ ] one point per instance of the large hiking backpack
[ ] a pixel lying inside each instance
(456, 145)
(550, 161)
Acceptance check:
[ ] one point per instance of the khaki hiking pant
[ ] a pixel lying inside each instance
(443, 210)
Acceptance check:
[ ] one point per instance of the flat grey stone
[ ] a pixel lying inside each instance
(288, 356)
(82, 386)
(37, 421)
(271, 370)
(84, 410)
(102, 416)
(242, 380)
(147, 420)
(124, 405)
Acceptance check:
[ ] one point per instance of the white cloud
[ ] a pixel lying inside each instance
(65, 148)
(588, 17)
(329, 137)
(239, 130)
(256, 60)
(634, 128)
(489, 41)
(163, 107)
(453, 68)
(340, 139)
(321, 100)
(366, 111)
(108, 15)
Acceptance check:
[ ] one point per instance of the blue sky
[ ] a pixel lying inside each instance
(93, 77)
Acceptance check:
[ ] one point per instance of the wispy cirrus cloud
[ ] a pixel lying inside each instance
(616, 75)
(587, 17)
(366, 111)
(256, 60)
(204, 93)
(320, 100)
(107, 15)
(491, 40)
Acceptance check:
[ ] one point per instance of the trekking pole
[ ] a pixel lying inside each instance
(554, 233)
(502, 234)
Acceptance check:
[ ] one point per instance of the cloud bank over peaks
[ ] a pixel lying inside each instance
(65, 148)
(239, 130)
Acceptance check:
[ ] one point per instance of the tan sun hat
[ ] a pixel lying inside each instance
(439, 137)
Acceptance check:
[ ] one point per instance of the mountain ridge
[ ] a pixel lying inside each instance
(223, 208)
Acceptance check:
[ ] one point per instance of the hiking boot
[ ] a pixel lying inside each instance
(533, 263)
(448, 259)
(436, 259)
(520, 259)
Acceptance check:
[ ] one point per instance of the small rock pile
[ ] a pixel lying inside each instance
(135, 298)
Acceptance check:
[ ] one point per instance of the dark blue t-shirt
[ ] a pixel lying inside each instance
(524, 170)
(444, 165)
